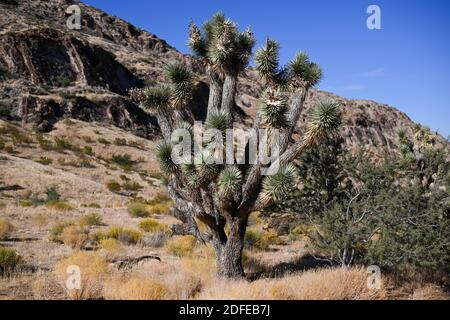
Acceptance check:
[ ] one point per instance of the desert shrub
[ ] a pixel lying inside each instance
(160, 208)
(5, 228)
(2, 144)
(93, 205)
(98, 235)
(181, 246)
(45, 161)
(92, 219)
(134, 288)
(110, 244)
(10, 261)
(124, 161)
(93, 271)
(62, 144)
(103, 141)
(120, 142)
(57, 230)
(393, 212)
(74, 237)
(260, 240)
(126, 236)
(131, 186)
(138, 210)
(59, 205)
(113, 186)
(52, 194)
(153, 226)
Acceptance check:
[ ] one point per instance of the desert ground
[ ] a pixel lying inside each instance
(92, 195)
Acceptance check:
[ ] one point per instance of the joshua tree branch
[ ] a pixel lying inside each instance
(229, 92)
(215, 92)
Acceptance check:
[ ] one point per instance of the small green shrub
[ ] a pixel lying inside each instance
(138, 210)
(10, 262)
(92, 219)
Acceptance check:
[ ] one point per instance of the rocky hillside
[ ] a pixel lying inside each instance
(49, 72)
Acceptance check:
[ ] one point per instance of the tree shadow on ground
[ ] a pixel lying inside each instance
(304, 263)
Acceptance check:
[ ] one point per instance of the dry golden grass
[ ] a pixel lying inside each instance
(202, 262)
(152, 226)
(321, 284)
(93, 270)
(181, 246)
(110, 245)
(5, 228)
(74, 237)
(134, 288)
(430, 292)
(40, 220)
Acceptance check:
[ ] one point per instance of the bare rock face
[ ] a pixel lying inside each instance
(48, 72)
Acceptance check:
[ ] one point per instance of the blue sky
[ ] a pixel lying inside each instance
(405, 64)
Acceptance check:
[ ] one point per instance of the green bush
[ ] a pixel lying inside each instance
(393, 212)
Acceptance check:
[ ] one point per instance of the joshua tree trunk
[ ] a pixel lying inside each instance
(229, 257)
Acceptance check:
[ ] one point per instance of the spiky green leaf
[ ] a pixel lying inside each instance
(164, 156)
(157, 98)
(278, 186)
(325, 120)
(229, 182)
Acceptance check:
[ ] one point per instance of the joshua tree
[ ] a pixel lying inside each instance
(222, 196)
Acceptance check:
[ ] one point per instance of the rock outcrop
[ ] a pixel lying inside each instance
(48, 72)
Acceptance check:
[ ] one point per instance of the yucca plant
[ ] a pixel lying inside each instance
(222, 196)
